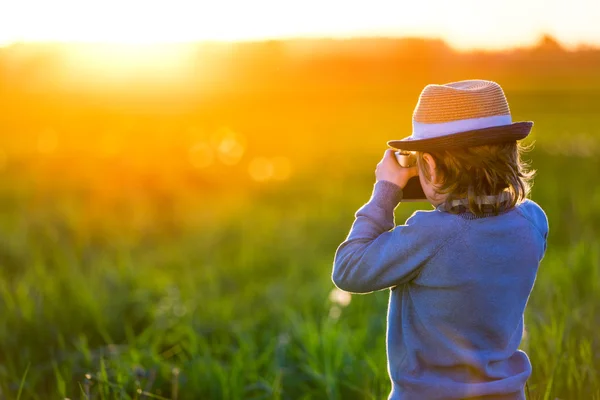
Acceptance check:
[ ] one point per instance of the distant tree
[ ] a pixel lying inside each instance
(549, 44)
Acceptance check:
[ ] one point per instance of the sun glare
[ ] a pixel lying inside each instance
(129, 60)
(463, 23)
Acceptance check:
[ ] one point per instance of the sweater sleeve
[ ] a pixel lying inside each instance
(376, 255)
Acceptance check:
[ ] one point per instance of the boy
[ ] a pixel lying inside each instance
(460, 275)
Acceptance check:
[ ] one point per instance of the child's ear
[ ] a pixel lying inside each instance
(431, 167)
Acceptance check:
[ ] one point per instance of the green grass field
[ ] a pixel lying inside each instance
(219, 287)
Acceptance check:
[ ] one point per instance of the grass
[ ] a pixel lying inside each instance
(226, 295)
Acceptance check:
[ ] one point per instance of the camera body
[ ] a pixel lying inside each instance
(413, 191)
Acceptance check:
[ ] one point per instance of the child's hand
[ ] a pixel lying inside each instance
(389, 170)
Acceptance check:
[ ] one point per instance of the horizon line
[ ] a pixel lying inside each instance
(291, 38)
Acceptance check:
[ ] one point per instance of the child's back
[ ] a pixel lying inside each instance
(460, 282)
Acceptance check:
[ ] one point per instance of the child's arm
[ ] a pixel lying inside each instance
(375, 255)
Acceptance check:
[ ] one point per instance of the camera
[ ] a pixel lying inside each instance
(413, 191)
(406, 159)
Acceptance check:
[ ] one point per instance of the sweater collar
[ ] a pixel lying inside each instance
(461, 206)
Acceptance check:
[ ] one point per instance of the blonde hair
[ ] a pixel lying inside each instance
(489, 170)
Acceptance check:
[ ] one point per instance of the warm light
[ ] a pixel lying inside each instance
(230, 146)
(201, 155)
(260, 169)
(97, 64)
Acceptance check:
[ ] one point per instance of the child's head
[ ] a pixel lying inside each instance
(466, 142)
(473, 172)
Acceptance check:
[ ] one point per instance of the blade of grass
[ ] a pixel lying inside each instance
(23, 382)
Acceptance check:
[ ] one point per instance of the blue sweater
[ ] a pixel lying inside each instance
(459, 287)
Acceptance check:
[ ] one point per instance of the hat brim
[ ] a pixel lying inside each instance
(478, 137)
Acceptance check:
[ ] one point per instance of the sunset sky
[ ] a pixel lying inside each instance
(463, 23)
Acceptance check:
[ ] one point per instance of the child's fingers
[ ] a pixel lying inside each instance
(413, 171)
(389, 153)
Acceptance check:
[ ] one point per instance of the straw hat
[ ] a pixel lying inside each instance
(461, 114)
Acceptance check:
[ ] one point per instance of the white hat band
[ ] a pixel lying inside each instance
(428, 131)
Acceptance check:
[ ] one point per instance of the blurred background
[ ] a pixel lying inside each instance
(175, 179)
